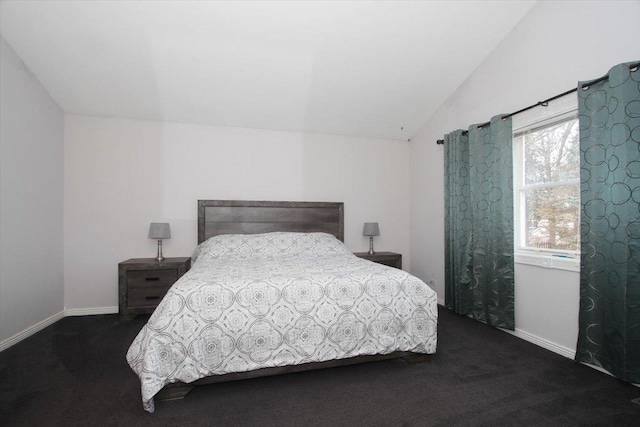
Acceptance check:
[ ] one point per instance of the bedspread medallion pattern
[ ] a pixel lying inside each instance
(276, 299)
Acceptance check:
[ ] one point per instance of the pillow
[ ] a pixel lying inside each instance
(270, 245)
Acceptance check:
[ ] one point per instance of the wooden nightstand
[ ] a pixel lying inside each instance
(391, 259)
(142, 282)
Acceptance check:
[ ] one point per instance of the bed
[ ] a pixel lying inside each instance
(273, 289)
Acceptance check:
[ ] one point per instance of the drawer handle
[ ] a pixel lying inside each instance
(152, 297)
(151, 279)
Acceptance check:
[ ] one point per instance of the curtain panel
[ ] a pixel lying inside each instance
(479, 249)
(609, 322)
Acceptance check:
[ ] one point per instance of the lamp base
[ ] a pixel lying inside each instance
(371, 251)
(159, 257)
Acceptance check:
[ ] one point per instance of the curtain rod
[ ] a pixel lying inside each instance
(545, 103)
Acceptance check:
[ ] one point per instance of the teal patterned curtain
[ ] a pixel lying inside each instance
(609, 324)
(457, 231)
(479, 223)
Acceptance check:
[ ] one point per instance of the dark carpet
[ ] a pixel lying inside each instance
(75, 373)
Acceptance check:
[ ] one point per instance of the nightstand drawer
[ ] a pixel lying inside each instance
(147, 296)
(151, 278)
(143, 282)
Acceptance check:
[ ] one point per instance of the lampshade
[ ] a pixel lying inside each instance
(159, 230)
(371, 229)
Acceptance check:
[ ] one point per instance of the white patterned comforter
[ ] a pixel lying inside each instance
(276, 299)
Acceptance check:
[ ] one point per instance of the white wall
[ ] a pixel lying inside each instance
(31, 192)
(122, 174)
(554, 46)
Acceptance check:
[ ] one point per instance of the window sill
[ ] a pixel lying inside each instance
(548, 261)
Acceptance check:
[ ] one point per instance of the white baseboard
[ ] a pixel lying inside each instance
(90, 311)
(541, 342)
(598, 368)
(551, 346)
(15, 339)
(5, 344)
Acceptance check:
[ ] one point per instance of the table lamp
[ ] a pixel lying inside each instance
(159, 230)
(371, 229)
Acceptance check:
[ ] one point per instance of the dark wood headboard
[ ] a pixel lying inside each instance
(252, 217)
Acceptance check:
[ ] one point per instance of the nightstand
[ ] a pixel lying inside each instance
(143, 282)
(391, 259)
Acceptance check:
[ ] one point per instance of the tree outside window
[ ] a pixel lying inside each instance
(549, 187)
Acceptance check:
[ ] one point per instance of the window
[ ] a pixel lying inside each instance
(547, 181)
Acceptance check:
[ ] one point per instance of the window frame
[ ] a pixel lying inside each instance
(555, 112)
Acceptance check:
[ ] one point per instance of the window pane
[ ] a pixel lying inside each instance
(553, 217)
(552, 153)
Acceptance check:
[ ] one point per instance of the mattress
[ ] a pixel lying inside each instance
(279, 299)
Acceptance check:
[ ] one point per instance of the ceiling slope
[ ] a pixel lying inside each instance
(372, 69)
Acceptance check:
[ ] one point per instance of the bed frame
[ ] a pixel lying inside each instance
(217, 217)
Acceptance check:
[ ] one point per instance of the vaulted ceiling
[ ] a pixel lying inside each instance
(374, 69)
